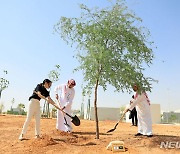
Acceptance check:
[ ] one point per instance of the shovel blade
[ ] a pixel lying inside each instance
(111, 130)
(75, 121)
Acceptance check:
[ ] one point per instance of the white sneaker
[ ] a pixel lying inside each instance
(21, 137)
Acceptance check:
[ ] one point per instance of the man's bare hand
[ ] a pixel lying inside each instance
(126, 110)
(57, 97)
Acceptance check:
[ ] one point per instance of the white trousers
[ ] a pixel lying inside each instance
(33, 110)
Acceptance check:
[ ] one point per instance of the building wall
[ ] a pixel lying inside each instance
(105, 113)
(155, 114)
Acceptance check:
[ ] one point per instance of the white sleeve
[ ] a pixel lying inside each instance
(69, 103)
(57, 88)
(136, 101)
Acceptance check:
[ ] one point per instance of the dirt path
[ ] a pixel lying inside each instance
(82, 140)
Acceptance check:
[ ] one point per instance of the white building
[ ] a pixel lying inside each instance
(106, 113)
(177, 111)
(155, 114)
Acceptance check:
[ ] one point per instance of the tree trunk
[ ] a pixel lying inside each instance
(0, 93)
(43, 115)
(48, 113)
(95, 109)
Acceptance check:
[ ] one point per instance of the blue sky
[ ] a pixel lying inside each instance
(29, 49)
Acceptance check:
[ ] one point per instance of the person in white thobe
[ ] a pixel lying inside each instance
(65, 95)
(142, 103)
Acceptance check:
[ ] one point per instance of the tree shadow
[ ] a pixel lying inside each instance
(86, 144)
(157, 139)
(166, 137)
(90, 133)
(59, 140)
(24, 139)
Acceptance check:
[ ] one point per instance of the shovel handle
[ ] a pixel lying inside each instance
(61, 109)
(122, 117)
(55, 105)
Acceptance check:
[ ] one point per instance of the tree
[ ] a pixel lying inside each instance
(53, 76)
(3, 83)
(12, 102)
(1, 107)
(172, 117)
(21, 108)
(112, 48)
(122, 108)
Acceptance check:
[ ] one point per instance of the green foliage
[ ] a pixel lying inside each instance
(12, 112)
(54, 109)
(122, 108)
(54, 74)
(1, 107)
(3, 82)
(21, 106)
(16, 112)
(112, 47)
(12, 102)
(173, 117)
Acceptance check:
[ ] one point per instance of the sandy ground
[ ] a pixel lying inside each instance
(82, 139)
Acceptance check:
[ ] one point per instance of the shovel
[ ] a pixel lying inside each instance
(111, 130)
(75, 120)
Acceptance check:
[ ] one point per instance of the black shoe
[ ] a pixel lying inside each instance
(138, 134)
(149, 135)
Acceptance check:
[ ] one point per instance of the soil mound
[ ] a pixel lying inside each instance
(61, 133)
(70, 138)
(44, 141)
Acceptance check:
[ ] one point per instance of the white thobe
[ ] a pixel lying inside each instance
(143, 113)
(66, 96)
